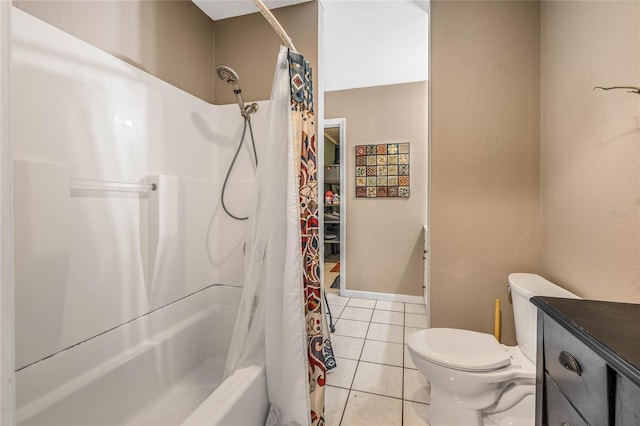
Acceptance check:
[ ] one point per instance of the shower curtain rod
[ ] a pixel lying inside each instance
(275, 24)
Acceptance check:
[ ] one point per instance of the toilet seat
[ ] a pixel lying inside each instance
(459, 349)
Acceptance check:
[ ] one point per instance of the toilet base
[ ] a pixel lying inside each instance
(522, 414)
(445, 410)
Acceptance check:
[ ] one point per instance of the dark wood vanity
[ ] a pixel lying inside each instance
(588, 363)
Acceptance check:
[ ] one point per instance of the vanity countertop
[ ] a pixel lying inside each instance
(610, 329)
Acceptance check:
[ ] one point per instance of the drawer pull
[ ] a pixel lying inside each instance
(569, 362)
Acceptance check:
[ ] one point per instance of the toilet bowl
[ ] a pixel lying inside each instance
(471, 374)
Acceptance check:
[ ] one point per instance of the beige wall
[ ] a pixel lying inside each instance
(591, 148)
(249, 45)
(172, 40)
(384, 235)
(484, 157)
(175, 41)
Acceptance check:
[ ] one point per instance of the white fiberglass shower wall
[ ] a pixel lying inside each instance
(92, 256)
(7, 379)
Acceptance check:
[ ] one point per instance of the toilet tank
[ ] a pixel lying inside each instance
(524, 287)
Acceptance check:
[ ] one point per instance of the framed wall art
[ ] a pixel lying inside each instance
(382, 170)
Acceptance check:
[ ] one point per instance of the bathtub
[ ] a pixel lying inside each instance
(164, 368)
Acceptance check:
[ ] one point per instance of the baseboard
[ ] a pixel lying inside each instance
(389, 297)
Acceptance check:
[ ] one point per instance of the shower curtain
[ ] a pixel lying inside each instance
(281, 316)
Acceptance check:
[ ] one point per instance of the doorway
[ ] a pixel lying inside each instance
(335, 198)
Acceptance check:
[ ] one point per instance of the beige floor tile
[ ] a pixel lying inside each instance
(346, 347)
(415, 309)
(342, 375)
(387, 317)
(408, 363)
(382, 353)
(358, 314)
(390, 306)
(416, 386)
(364, 409)
(335, 400)
(362, 303)
(336, 299)
(414, 414)
(351, 328)
(336, 311)
(415, 320)
(379, 379)
(385, 333)
(410, 330)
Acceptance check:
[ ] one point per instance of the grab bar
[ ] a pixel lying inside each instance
(103, 186)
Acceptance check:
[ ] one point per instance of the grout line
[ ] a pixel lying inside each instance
(360, 357)
(354, 376)
(416, 402)
(380, 363)
(344, 409)
(389, 310)
(386, 323)
(349, 319)
(379, 394)
(340, 387)
(359, 360)
(387, 341)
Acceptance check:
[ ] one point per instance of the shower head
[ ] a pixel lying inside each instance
(228, 75)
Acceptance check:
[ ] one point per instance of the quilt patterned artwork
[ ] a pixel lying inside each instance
(382, 170)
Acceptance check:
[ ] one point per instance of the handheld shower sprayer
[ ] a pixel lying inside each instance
(228, 75)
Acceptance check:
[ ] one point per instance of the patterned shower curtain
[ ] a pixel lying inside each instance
(319, 352)
(281, 320)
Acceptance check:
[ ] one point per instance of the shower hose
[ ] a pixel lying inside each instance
(247, 123)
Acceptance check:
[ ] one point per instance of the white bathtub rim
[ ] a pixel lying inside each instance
(229, 395)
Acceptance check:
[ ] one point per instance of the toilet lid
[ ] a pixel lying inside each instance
(459, 349)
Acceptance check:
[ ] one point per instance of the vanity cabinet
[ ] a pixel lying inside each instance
(588, 363)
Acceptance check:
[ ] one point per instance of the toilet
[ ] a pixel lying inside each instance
(474, 379)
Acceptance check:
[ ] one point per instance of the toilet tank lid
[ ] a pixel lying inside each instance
(459, 349)
(530, 285)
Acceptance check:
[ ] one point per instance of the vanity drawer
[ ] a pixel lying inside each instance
(560, 412)
(580, 374)
(627, 399)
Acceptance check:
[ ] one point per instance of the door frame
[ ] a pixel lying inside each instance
(340, 123)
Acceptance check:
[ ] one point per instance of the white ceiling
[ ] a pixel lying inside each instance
(221, 9)
(370, 43)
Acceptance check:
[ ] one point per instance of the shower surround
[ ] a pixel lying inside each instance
(133, 272)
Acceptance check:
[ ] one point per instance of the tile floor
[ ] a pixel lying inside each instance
(375, 382)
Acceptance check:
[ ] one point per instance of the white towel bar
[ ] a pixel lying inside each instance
(104, 186)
